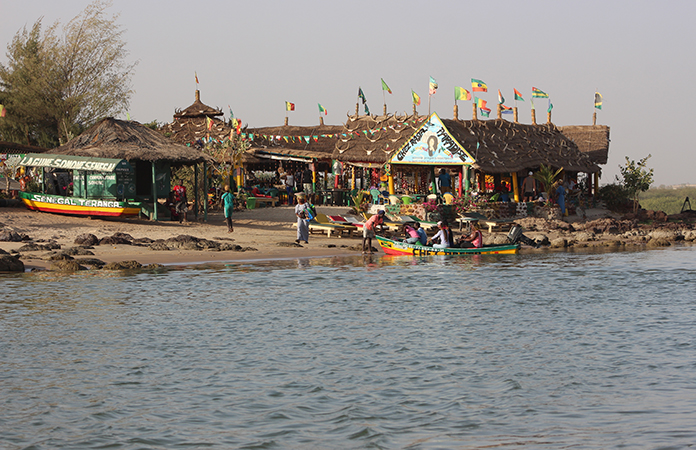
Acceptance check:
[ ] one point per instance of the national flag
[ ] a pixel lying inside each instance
(289, 106)
(518, 96)
(209, 123)
(597, 101)
(478, 85)
(367, 110)
(196, 75)
(416, 98)
(537, 93)
(231, 113)
(461, 94)
(432, 86)
(485, 112)
(322, 109)
(385, 87)
(501, 99)
(3, 111)
(506, 109)
(239, 126)
(481, 103)
(361, 96)
(550, 107)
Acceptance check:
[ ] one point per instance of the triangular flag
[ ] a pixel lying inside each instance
(322, 109)
(385, 87)
(416, 98)
(501, 99)
(432, 86)
(518, 96)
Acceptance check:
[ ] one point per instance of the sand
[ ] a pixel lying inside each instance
(271, 231)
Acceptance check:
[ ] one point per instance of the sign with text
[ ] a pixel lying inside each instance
(432, 144)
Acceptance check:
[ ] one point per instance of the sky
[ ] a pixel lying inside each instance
(256, 55)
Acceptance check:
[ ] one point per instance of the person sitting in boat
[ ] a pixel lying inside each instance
(443, 236)
(419, 237)
(473, 239)
(410, 233)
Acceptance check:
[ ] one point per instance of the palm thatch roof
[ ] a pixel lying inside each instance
(191, 125)
(119, 139)
(316, 142)
(498, 146)
(592, 140)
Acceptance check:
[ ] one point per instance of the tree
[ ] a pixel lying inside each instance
(68, 82)
(636, 178)
(547, 177)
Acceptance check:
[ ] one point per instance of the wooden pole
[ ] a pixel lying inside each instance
(195, 191)
(456, 111)
(596, 183)
(154, 191)
(286, 121)
(474, 116)
(594, 118)
(516, 118)
(321, 120)
(515, 187)
(548, 117)
(467, 187)
(391, 185)
(534, 116)
(205, 190)
(500, 111)
(352, 177)
(357, 109)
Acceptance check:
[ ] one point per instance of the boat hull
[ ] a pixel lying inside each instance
(78, 206)
(397, 248)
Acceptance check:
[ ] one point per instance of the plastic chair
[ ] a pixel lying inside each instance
(394, 200)
(406, 200)
(375, 196)
(449, 198)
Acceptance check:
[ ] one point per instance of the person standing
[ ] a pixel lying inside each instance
(307, 181)
(369, 230)
(227, 201)
(445, 181)
(529, 188)
(302, 219)
(180, 204)
(560, 192)
(290, 187)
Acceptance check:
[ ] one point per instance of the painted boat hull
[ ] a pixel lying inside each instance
(78, 206)
(397, 248)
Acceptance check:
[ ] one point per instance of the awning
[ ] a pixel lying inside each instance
(75, 163)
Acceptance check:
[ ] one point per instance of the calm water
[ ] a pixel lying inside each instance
(557, 350)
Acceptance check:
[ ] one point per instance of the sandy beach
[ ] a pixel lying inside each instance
(270, 231)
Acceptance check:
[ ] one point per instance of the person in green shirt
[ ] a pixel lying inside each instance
(227, 201)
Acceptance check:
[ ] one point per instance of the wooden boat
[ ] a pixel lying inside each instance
(391, 247)
(79, 206)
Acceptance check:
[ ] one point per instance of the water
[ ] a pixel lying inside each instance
(557, 350)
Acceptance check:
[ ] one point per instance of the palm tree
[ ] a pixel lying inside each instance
(547, 177)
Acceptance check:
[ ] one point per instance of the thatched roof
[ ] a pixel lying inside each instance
(592, 140)
(309, 142)
(17, 149)
(502, 146)
(118, 139)
(197, 109)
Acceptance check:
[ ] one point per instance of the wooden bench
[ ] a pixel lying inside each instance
(499, 225)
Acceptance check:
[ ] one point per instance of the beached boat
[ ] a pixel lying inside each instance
(391, 247)
(79, 206)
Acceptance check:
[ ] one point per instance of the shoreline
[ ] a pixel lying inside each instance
(270, 232)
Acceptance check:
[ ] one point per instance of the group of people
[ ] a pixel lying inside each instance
(292, 183)
(444, 238)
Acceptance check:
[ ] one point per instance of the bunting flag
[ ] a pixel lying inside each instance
(385, 87)
(501, 99)
(597, 102)
(196, 75)
(478, 85)
(209, 123)
(432, 87)
(550, 107)
(506, 109)
(322, 109)
(538, 93)
(485, 112)
(361, 96)
(461, 94)
(289, 106)
(518, 96)
(3, 111)
(416, 98)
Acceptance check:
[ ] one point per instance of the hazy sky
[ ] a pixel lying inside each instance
(255, 55)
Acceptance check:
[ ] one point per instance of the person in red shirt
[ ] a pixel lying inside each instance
(180, 201)
(369, 230)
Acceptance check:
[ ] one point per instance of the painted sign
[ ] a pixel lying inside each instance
(432, 144)
(76, 205)
(75, 162)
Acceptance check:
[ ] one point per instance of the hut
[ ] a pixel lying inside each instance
(592, 140)
(501, 150)
(294, 149)
(197, 124)
(139, 157)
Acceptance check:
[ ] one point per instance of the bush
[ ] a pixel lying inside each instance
(616, 197)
